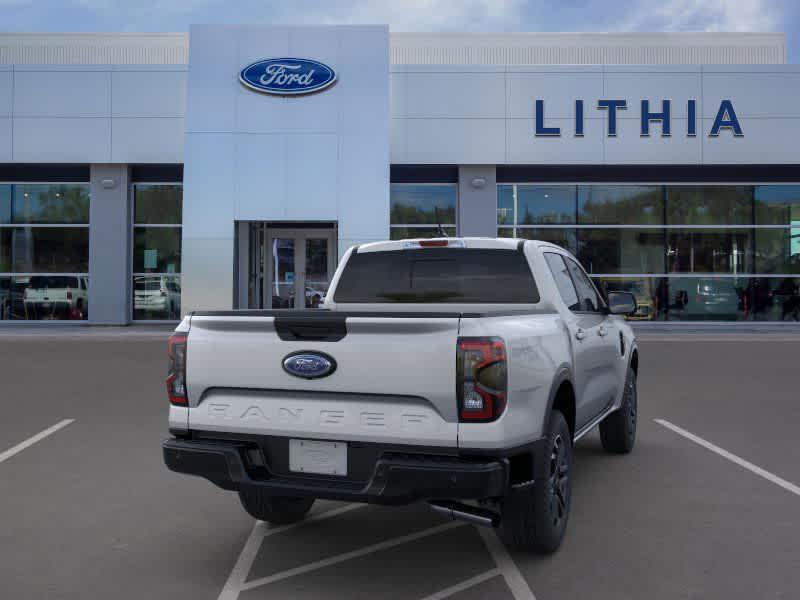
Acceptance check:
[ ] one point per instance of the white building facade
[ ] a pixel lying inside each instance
(145, 176)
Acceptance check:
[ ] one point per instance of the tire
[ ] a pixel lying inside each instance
(618, 430)
(534, 518)
(279, 510)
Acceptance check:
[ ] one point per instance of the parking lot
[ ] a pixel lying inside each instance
(707, 505)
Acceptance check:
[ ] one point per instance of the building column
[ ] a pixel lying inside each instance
(241, 265)
(109, 245)
(477, 201)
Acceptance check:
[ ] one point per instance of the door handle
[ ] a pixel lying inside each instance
(603, 331)
(580, 333)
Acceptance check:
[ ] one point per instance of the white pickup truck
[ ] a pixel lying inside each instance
(456, 371)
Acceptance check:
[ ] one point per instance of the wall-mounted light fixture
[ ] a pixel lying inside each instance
(478, 182)
(109, 183)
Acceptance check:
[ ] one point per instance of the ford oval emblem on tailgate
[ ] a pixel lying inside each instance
(309, 365)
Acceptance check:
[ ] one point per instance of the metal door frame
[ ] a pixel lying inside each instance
(299, 235)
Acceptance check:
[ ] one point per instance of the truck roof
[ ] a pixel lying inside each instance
(465, 242)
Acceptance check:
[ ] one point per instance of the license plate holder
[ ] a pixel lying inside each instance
(318, 457)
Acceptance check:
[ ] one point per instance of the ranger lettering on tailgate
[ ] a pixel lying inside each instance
(331, 417)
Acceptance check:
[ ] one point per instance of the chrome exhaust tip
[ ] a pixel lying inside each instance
(464, 512)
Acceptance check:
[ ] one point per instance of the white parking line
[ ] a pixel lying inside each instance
(464, 585)
(4, 456)
(506, 565)
(242, 567)
(788, 486)
(333, 560)
(261, 530)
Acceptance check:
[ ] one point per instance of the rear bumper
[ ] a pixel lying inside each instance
(395, 479)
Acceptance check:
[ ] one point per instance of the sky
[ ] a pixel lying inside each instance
(413, 15)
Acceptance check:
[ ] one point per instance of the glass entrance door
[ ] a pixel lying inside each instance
(298, 265)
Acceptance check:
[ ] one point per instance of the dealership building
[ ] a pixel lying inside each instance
(143, 176)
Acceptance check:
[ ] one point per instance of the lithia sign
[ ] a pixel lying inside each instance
(725, 120)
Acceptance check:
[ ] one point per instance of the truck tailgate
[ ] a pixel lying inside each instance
(394, 380)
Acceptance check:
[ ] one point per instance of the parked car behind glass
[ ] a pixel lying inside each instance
(707, 299)
(56, 297)
(156, 296)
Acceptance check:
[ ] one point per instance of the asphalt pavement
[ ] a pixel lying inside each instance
(88, 510)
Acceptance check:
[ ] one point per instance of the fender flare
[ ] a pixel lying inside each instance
(634, 350)
(563, 373)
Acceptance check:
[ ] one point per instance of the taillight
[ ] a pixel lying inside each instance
(481, 381)
(433, 243)
(176, 375)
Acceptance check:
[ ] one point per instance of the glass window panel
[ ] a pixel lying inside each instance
(444, 275)
(651, 295)
(621, 204)
(44, 249)
(710, 250)
(157, 249)
(44, 298)
(317, 275)
(564, 238)
(621, 250)
(707, 299)
(413, 204)
(5, 203)
(778, 250)
(505, 232)
(709, 205)
(5, 298)
(29, 251)
(156, 297)
(776, 299)
(283, 272)
(777, 205)
(561, 276)
(47, 203)
(15, 297)
(404, 233)
(158, 204)
(588, 297)
(505, 204)
(317, 259)
(6, 245)
(283, 295)
(549, 205)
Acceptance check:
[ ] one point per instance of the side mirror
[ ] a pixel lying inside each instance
(621, 303)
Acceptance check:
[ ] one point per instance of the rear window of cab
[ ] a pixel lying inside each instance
(438, 275)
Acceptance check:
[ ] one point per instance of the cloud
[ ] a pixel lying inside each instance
(415, 15)
(153, 8)
(410, 15)
(705, 15)
(401, 15)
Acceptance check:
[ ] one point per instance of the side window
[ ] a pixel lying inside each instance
(589, 299)
(563, 280)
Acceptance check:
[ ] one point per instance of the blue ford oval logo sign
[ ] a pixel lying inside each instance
(309, 365)
(287, 76)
